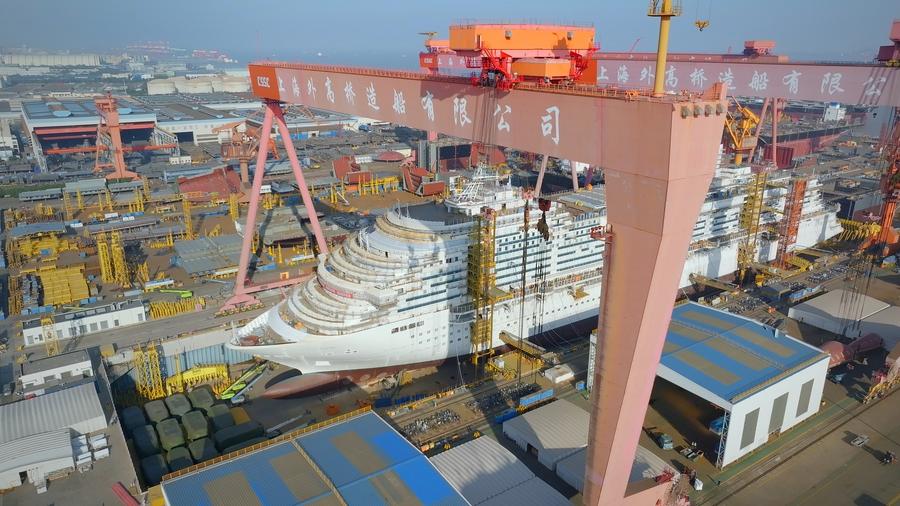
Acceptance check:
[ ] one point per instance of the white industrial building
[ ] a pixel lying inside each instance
(647, 466)
(9, 143)
(51, 60)
(553, 432)
(486, 473)
(36, 456)
(41, 374)
(852, 315)
(87, 321)
(764, 381)
(36, 434)
(199, 84)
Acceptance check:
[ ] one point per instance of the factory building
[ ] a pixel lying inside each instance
(50, 60)
(39, 436)
(357, 460)
(199, 84)
(851, 315)
(9, 143)
(762, 381)
(86, 321)
(42, 375)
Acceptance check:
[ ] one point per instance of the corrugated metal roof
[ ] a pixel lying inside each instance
(481, 469)
(364, 458)
(56, 227)
(646, 465)
(556, 430)
(209, 254)
(83, 185)
(49, 412)
(25, 452)
(534, 492)
(729, 355)
(834, 305)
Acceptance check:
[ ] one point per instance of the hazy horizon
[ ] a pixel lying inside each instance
(354, 32)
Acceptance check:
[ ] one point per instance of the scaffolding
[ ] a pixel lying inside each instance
(749, 222)
(120, 267)
(148, 376)
(67, 206)
(482, 286)
(51, 340)
(137, 203)
(106, 268)
(790, 224)
(188, 219)
(233, 207)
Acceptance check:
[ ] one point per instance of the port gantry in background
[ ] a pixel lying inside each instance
(653, 194)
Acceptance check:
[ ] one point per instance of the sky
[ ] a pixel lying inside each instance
(385, 32)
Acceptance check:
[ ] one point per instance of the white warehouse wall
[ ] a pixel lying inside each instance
(88, 325)
(764, 401)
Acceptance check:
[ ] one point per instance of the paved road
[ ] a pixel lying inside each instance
(831, 471)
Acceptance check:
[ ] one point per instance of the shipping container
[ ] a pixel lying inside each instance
(145, 440)
(195, 425)
(132, 418)
(506, 415)
(202, 449)
(170, 433)
(179, 458)
(156, 410)
(231, 436)
(537, 398)
(178, 404)
(154, 468)
(245, 444)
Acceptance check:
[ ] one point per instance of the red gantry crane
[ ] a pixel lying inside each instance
(658, 152)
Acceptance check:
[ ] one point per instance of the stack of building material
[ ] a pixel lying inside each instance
(178, 404)
(145, 440)
(179, 458)
(132, 418)
(220, 416)
(203, 449)
(64, 286)
(201, 398)
(231, 436)
(170, 434)
(156, 410)
(195, 425)
(154, 468)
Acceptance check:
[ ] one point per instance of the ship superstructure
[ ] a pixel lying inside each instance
(400, 292)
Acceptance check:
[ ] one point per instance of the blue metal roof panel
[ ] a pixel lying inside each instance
(727, 354)
(367, 460)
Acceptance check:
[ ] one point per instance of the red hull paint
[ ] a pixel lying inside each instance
(317, 382)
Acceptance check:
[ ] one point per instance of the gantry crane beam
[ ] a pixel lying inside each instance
(658, 154)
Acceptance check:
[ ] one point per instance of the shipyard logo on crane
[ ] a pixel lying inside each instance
(263, 81)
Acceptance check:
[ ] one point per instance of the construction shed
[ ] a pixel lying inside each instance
(837, 311)
(647, 466)
(762, 380)
(37, 456)
(487, 473)
(885, 323)
(77, 408)
(364, 460)
(209, 256)
(553, 431)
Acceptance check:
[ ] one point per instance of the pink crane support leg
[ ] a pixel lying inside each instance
(301, 182)
(241, 296)
(540, 179)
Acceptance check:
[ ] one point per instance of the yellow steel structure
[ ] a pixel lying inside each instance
(51, 340)
(166, 309)
(215, 375)
(699, 279)
(271, 201)
(215, 232)
(117, 252)
(142, 272)
(233, 207)
(63, 285)
(741, 126)
(146, 188)
(188, 219)
(749, 222)
(858, 230)
(137, 203)
(79, 200)
(482, 285)
(15, 295)
(46, 245)
(665, 10)
(67, 205)
(106, 198)
(148, 375)
(105, 259)
(167, 242)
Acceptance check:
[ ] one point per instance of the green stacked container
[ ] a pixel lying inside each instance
(202, 449)
(202, 398)
(179, 458)
(156, 411)
(231, 436)
(195, 425)
(132, 418)
(170, 434)
(178, 404)
(145, 441)
(154, 468)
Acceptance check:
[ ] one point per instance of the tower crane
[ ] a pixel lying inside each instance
(242, 146)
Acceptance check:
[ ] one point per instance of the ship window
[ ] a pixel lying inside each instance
(403, 327)
(420, 342)
(395, 330)
(420, 324)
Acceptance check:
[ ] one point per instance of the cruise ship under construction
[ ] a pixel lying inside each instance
(444, 280)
